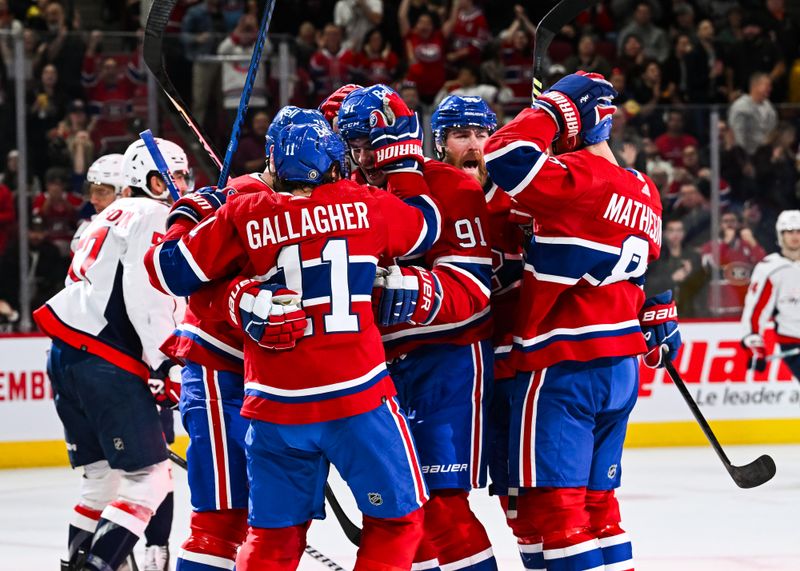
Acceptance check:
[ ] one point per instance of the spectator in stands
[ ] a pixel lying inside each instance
(305, 44)
(691, 207)
(760, 220)
(201, 31)
(625, 142)
(755, 53)
(234, 73)
(777, 168)
(467, 83)
(783, 27)
(110, 92)
(752, 116)
(48, 105)
(672, 143)
(654, 161)
(46, 269)
(682, 21)
(249, 156)
(410, 94)
(736, 166)
(631, 58)
(78, 141)
(62, 49)
(332, 65)
(654, 39)
(58, 209)
(468, 33)
(425, 49)
(10, 174)
(679, 269)
(730, 30)
(587, 58)
(515, 58)
(376, 62)
(688, 68)
(8, 24)
(8, 216)
(650, 91)
(356, 18)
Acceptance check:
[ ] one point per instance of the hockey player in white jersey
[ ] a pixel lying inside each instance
(774, 294)
(106, 326)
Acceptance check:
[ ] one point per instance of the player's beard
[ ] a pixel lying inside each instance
(473, 164)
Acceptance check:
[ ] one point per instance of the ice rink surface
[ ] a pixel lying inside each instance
(679, 505)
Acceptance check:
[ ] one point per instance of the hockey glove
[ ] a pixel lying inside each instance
(197, 205)
(659, 321)
(579, 103)
(270, 314)
(756, 352)
(406, 295)
(330, 105)
(165, 384)
(396, 137)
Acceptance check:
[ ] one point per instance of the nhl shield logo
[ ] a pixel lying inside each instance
(119, 444)
(375, 498)
(612, 471)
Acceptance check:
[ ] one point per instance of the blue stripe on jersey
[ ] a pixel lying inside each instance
(513, 167)
(253, 392)
(178, 274)
(574, 261)
(482, 272)
(206, 345)
(576, 338)
(420, 333)
(317, 279)
(433, 223)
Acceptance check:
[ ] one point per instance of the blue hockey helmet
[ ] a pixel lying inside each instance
(304, 153)
(291, 115)
(456, 111)
(354, 114)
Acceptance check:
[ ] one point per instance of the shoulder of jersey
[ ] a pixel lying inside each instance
(251, 182)
(141, 203)
(775, 261)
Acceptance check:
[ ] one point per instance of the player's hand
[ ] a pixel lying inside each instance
(659, 322)
(406, 295)
(270, 314)
(396, 136)
(330, 105)
(578, 103)
(197, 205)
(165, 384)
(756, 352)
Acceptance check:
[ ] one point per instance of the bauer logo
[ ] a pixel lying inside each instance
(444, 468)
(375, 498)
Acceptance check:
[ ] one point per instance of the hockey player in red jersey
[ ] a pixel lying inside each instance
(772, 296)
(330, 398)
(578, 329)
(440, 356)
(210, 348)
(107, 325)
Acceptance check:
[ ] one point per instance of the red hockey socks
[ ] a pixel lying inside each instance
(215, 537)
(388, 544)
(604, 516)
(277, 549)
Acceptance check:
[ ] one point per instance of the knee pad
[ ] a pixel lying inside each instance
(99, 485)
(272, 549)
(146, 487)
(389, 544)
(218, 533)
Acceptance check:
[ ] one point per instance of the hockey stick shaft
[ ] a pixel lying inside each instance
(247, 90)
(351, 530)
(180, 461)
(161, 164)
(784, 354)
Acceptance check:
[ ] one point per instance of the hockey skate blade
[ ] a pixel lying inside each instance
(759, 471)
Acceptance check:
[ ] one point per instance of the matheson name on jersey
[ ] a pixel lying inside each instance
(321, 219)
(634, 214)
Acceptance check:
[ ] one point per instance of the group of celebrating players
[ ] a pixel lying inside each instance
(413, 323)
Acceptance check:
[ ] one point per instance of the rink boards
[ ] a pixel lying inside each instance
(744, 407)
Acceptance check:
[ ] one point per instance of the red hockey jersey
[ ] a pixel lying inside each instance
(597, 228)
(326, 247)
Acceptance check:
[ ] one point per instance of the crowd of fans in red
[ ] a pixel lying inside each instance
(670, 61)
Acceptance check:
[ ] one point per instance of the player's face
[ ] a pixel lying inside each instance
(464, 150)
(364, 157)
(791, 240)
(101, 195)
(184, 181)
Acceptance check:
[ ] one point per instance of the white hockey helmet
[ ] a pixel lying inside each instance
(138, 163)
(787, 220)
(107, 170)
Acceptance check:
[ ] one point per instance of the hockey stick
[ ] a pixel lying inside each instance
(559, 16)
(247, 90)
(180, 461)
(161, 164)
(757, 472)
(783, 355)
(351, 530)
(152, 52)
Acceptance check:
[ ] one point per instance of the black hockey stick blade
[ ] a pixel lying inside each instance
(152, 52)
(559, 16)
(178, 459)
(351, 530)
(757, 472)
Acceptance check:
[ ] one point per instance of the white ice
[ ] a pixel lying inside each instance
(681, 508)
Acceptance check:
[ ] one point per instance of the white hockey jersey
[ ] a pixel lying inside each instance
(108, 306)
(774, 293)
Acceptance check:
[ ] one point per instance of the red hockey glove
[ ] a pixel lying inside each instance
(406, 295)
(270, 314)
(197, 205)
(330, 105)
(756, 352)
(396, 136)
(165, 384)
